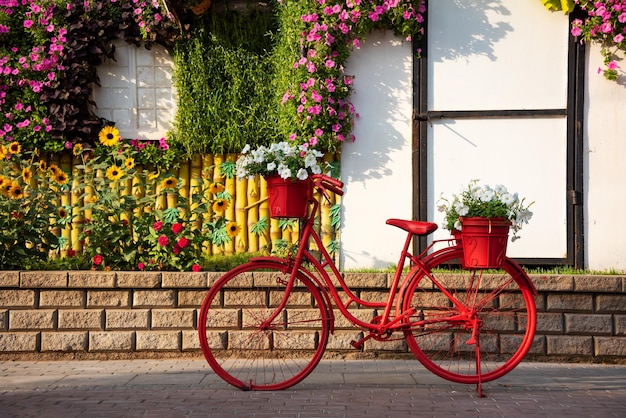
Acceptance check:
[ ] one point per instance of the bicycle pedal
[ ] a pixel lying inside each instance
(357, 344)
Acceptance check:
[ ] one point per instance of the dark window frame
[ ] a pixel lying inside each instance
(574, 113)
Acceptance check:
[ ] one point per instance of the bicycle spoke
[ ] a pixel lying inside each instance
(243, 347)
(470, 326)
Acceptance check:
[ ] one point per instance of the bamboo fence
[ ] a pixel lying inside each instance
(248, 205)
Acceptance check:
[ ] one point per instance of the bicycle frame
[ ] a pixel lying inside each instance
(386, 322)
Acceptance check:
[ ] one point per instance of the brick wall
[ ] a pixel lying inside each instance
(115, 314)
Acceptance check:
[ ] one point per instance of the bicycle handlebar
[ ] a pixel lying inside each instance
(324, 182)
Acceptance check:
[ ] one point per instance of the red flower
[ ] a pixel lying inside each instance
(141, 266)
(183, 242)
(71, 253)
(177, 227)
(196, 267)
(176, 249)
(97, 259)
(157, 226)
(163, 241)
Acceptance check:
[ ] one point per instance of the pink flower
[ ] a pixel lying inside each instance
(97, 259)
(141, 266)
(157, 226)
(163, 241)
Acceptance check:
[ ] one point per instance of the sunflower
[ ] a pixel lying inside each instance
(62, 213)
(2, 180)
(3, 152)
(6, 187)
(14, 147)
(43, 165)
(77, 150)
(169, 183)
(220, 205)
(232, 229)
(60, 177)
(27, 174)
(54, 169)
(15, 191)
(109, 136)
(154, 175)
(216, 188)
(129, 163)
(114, 173)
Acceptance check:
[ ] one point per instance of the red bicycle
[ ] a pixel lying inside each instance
(265, 324)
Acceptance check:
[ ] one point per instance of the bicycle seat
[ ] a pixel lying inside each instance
(414, 227)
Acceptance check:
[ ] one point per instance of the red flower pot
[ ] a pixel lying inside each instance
(289, 198)
(484, 241)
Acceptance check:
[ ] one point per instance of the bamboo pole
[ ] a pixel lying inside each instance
(195, 188)
(264, 212)
(172, 197)
(65, 163)
(207, 176)
(184, 176)
(242, 214)
(231, 189)
(139, 191)
(77, 206)
(217, 177)
(253, 214)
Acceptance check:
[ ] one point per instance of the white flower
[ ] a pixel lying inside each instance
(461, 209)
(310, 160)
(508, 199)
(302, 174)
(271, 166)
(258, 155)
(246, 149)
(500, 189)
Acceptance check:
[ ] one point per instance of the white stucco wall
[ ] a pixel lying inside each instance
(376, 168)
(605, 168)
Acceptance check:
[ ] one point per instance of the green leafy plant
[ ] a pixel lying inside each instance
(316, 40)
(605, 24)
(136, 219)
(49, 51)
(30, 208)
(566, 6)
(475, 200)
(223, 77)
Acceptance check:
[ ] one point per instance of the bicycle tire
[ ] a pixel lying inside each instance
(499, 301)
(248, 354)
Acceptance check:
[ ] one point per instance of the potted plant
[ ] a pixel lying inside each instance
(287, 168)
(484, 216)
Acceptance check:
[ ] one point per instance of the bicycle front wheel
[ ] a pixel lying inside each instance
(470, 326)
(251, 343)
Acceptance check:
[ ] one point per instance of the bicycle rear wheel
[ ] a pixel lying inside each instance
(246, 349)
(470, 326)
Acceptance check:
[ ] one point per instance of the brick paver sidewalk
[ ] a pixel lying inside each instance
(337, 388)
